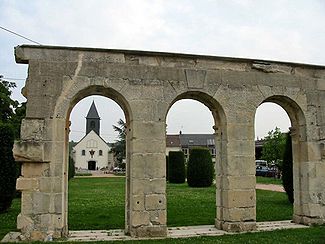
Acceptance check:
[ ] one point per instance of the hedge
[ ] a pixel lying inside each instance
(200, 168)
(176, 167)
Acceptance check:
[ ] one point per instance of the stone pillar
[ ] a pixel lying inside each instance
(41, 153)
(308, 180)
(147, 181)
(235, 181)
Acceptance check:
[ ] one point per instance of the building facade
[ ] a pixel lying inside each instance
(92, 152)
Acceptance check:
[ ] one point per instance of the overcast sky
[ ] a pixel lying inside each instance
(280, 30)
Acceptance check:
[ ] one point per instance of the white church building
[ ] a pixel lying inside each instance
(92, 152)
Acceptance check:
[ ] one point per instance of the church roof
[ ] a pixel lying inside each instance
(92, 113)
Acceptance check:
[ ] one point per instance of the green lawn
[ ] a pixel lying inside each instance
(268, 180)
(98, 203)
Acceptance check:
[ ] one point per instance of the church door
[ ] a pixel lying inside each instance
(91, 165)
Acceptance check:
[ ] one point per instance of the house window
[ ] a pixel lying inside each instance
(213, 152)
(83, 152)
(185, 151)
(100, 153)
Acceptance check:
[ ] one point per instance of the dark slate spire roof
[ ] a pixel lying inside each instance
(93, 114)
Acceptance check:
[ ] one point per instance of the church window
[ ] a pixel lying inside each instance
(83, 152)
(100, 152)
(92, 125)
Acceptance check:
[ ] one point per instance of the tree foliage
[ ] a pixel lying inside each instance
(72, 169)
(273, 147)
(10, 110)
(200, 168)
(287, 169)
(7, 167)
(119, 146)
(176, 167)
(7, 105)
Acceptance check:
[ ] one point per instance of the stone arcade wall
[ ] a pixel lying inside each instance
(145, 85)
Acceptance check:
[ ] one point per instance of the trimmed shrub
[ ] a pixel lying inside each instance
(167, 167)
(72, 170)
(200, 168)
(176, 167)
(287, 169)
(7, 167)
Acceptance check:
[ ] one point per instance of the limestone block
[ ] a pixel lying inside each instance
(24, 223)
(241, 147)
(321, 84)
(320, 171)
(27, 184)
(137, 203)
(56, 203)
(26, 203)
(139, 218)
(37, 235)
(239, 198)
(239, 214)
(148, 186)
(32, 129)
(29, 151)
(41, 202)
(30, 169)
(149, 130)
(158, 217)
(239, 166)
(149, 231)
(195, 78)
(149, 165)
(313, 210)
(236, 182)
(241, 131)
(147, 146)
(236, 226)
(155, 201)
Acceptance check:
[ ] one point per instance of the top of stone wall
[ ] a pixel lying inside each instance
(24, 53)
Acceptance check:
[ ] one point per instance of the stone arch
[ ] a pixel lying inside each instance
(299, 143)
(64, 107)
(220, 132)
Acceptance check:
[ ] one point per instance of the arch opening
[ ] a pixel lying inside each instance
(277, 120)
(96, 158)
(184, 132)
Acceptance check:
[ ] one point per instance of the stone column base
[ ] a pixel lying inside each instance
(149, 231)
(306, 220)
(235, 226)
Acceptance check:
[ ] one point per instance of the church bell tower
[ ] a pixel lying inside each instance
(93, 120)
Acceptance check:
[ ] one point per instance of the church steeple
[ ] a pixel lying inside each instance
(92, 120)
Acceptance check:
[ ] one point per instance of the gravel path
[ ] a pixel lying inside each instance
(270, 187)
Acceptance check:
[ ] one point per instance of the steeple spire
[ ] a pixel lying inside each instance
(92, 120)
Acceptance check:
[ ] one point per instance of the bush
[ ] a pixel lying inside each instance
(200, 168)
(167, 167)
(7, 167)
(287, 169)
(176, 167)
(72, 170)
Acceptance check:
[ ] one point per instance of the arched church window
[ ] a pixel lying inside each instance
(83, 152)
(100, 152)
(92, 125)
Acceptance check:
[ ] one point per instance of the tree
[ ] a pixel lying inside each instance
(287, 169)
(119, 146)
(8, 167)
(273, 147)
(200, 168)
(176, 167)
(7, 105)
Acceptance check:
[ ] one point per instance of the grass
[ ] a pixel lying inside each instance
(8, 219)
(98, 203)
(268, 180)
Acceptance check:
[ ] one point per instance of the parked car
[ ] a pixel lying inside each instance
(262, 171)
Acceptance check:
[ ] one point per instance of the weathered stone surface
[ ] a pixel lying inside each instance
(146, 85)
